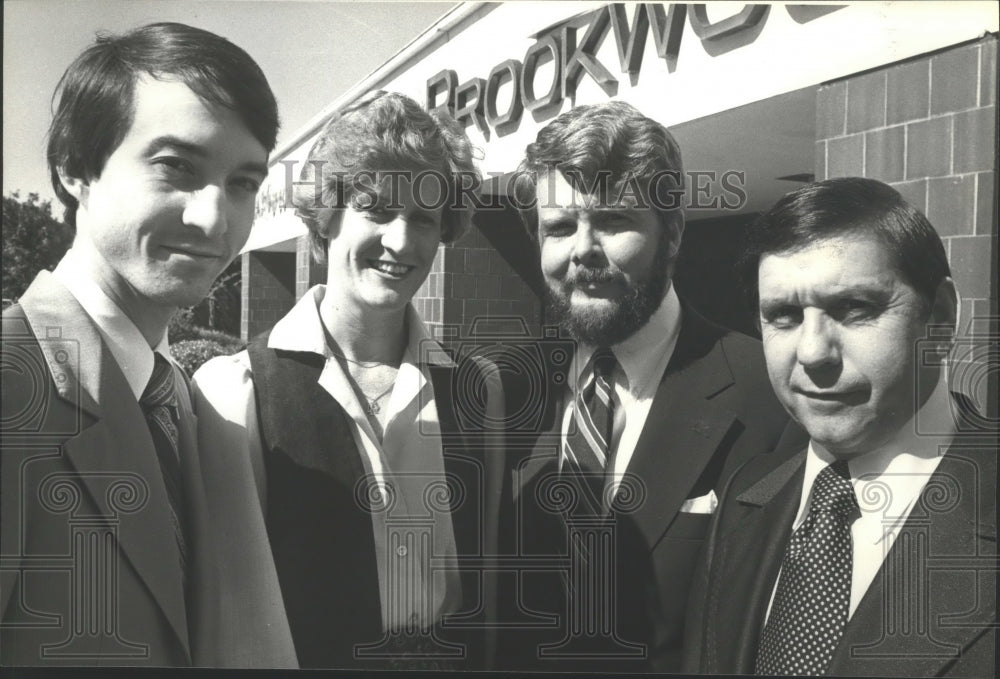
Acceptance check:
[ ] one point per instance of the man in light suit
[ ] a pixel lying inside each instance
(159, 143)
(872, 552)
(633, 446)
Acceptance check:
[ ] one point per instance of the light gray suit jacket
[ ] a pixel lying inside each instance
(90, 566)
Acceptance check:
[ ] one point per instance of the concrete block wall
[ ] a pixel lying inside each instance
(927, 127)
(307, 272)
(469, 280)
(268, 290)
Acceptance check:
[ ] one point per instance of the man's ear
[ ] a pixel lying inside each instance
(675, 233)
(75, 186)
(945, 308)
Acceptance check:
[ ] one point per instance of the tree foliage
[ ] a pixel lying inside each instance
(32, 240)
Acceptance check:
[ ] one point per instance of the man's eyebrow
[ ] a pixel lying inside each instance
(169, 141)
(860, 289)
(558, 212)
(851, 290)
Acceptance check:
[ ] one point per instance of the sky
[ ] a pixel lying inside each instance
(310, 50)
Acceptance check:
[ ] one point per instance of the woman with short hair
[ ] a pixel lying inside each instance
(370, 486)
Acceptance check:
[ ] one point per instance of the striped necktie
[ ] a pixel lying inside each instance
(813, 596)
(159, 404)
(588, 445)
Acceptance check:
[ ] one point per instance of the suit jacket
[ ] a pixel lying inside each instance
(713, 409)
(90, 571)
(930, 611)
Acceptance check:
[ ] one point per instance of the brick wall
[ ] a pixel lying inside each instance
(268, 290)
(307, 272)
(928, 127)
(471, 280)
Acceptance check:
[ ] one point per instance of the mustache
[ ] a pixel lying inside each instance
(588, 276)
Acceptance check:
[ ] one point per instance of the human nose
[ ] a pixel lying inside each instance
(396, 234)
(586, 246)
(206, 210)
(818, 345)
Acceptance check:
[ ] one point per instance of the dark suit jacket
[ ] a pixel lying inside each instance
(714, 408)
(929, 610)
(90, 570)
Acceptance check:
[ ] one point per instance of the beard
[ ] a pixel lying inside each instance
(625, 314)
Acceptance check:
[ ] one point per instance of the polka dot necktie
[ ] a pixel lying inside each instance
(587, 446)
(813, 597)
(159, 404)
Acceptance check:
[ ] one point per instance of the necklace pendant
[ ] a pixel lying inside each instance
(374, 408)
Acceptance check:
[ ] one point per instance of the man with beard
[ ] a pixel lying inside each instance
(656, 409)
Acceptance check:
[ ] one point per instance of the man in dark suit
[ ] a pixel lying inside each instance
(642, 421)
(159, 143)
(873, 551)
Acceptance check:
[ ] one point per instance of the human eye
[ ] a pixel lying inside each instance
(378, 212)
(247, 185)
(780, 316)
(853, 310)
(615, 222)
(173, 165)
(558, 228)
(424, 220)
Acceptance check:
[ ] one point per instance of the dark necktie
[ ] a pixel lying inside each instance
(813, 597)
(588, 444)
(159, 404)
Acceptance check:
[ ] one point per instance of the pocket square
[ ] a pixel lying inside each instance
(705, 504)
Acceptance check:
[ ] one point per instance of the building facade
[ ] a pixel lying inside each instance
(761, 99)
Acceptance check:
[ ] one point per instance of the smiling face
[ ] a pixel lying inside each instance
(840, 327)
(380, 254)
(174, 203)
(605, 267)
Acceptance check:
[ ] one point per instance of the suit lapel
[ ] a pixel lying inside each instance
(459, 466)
(545, 447)
(683, 429)
(757, 535)
(930, 600)
(204, 601)
(116, 447)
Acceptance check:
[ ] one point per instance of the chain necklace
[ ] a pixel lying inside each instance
(368, 365)
(372, 407)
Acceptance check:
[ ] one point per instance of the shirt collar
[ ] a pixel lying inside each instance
(888, 480)
(127, 345)
(301, 329)
(639, 353)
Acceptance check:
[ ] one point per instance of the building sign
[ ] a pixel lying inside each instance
(572, 46)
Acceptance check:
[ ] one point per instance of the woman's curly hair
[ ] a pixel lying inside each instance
(384, 131)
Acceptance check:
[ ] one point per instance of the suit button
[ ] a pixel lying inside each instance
(401, 551)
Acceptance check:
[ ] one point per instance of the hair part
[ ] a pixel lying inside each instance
(611, 146)
(848, 207)
(384, 131)
(96, 103)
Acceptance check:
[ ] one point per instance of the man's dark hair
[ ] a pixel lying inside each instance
(842, 207)
(96, 94)
(613, 139)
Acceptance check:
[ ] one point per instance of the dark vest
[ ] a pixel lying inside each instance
(318, 519)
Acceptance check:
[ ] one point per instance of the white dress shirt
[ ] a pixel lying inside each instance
(407, 460)
(128, 346)
(887, 482)
(642, 360)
